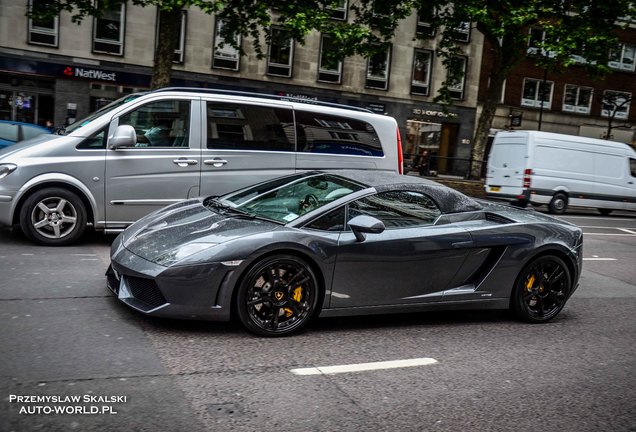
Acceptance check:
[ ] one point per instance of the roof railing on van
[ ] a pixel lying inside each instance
(261, 96)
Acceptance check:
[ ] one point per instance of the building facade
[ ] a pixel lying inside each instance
(61, 71)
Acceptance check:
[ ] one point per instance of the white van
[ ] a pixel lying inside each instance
(561, 170)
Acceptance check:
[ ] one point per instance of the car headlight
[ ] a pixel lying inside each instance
(6, 169)
(181, 252)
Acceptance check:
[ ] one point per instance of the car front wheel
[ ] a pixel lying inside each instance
(53, 217)
(278, 296)
(541, 290)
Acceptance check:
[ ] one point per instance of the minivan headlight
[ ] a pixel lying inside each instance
(6, 169)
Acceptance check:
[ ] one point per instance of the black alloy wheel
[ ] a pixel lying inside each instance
(542, 289)
(53, 217)
(278, 296)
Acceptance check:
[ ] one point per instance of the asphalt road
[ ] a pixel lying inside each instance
(63, 334)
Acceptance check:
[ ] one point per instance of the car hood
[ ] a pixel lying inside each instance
(24, 145)
(183, 229)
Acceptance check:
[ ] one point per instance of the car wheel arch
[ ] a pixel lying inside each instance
(88, 203)
(318, 271)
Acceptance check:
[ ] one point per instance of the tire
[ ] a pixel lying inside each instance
(558, 204)
(604, 211)
(53, 217)
(278, 296)
(541, 290)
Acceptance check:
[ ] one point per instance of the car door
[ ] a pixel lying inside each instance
(412, 261)
(245, 143)
(164, 165)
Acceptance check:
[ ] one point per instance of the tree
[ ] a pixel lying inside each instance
(614, 103)
(572, 31)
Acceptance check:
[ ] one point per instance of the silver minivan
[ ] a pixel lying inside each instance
(148, 150)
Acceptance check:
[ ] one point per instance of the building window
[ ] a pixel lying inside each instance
(537, 92)
(425, 18)
(577, 99)
(378, 66)
(339, 9)
(461, 33)
(421, 79)
(329, 69)
(108, 30)
(179, 51)
(616, 104)
(623, 57)
(225, 56)
(280, 57)
(536, 36)
(43, 31)
(456, 84)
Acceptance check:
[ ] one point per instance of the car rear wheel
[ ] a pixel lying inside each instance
(542, 288)
(558, 204)
(604, 211)
(53, 217)
(278, 296)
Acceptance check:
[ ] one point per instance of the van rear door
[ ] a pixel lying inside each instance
(506, 165)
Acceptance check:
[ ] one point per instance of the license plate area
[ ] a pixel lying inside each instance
(494, 188)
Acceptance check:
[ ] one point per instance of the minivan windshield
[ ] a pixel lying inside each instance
(285, 199)
(103, 110)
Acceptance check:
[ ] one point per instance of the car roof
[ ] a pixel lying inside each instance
(449, 200)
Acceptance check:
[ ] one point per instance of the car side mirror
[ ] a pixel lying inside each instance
(365, 224)
(125, 136)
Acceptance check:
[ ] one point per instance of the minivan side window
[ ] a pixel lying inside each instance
(233, 126)
(324, 133)
(397, 209)
(160, 124)
(97, 141)
(632, 166)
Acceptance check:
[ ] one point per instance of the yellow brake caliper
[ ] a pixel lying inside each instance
(530, 283)
(296, 296)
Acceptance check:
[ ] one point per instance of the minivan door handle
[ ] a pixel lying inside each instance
(217, 162)
(183, 162)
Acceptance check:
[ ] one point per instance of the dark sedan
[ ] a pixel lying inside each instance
(343, 243)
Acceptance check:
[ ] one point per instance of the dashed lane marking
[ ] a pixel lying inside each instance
(362, 367)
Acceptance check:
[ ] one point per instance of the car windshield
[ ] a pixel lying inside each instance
(285, 199)
(111, 106)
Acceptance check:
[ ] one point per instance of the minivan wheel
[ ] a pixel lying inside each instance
(604, 211)
(558, 204)
(53, 217)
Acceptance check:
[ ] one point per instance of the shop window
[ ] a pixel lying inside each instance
(456, 83)
(577, 99)
(179, 51)
(249, 127)
(537, 93)
(330, 134)
(622, 58)
(339, 9)
(108, 30)
(280, 57)
(225, 56)
(43, 31)
(616, 104)
(397, 209)
(378, 66)
(421, 79)
(329, 69)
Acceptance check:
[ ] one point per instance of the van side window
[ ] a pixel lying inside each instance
(97, 141)
(233, 126)
(160, 124)
(324, 133)
(632, 166)
(397, 209)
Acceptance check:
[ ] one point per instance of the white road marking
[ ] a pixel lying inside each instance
(598, 218)
(627, 231)
(360, 367)
(609, 234)
(599, 259)
(600, 227)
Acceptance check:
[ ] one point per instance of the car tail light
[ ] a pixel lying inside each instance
(527, 179)
(399, 151)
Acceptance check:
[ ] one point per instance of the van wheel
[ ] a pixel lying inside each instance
(604, 212)
(558, 204)
(53, 217)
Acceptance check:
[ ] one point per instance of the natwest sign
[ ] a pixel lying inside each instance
(94, 74)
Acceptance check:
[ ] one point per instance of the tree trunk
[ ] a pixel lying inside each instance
(167, 39)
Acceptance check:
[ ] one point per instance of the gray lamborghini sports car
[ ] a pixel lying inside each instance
(343, 243)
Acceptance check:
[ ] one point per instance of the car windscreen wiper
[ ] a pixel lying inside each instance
(224, 209)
